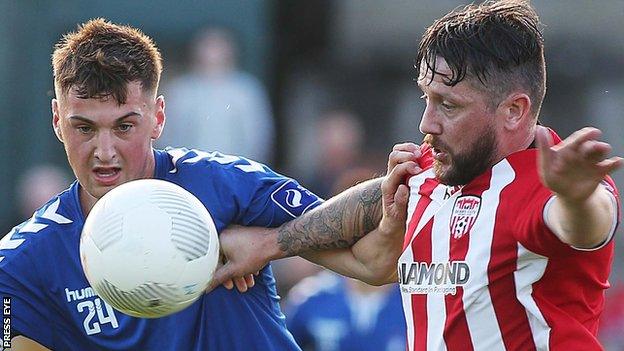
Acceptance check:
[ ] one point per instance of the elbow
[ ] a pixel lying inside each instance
(379, 279)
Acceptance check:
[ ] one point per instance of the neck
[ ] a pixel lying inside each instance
(87, 201)
(514, 142)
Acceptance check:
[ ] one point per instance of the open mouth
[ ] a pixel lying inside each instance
(439, 154)
(106, 175)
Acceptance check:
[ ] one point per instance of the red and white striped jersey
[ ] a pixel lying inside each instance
(481, 270)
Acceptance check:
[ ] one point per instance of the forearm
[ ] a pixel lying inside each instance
(372, 259)
(583, 223)
(338, 223)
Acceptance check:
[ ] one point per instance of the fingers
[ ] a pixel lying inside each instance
(241, 284)
(583, 148)
(409, 147)
(398, 174)
(576, 139)
(544, 143)
(403, 153)
(401, 198)
(250, 281)
(225, 276)
(228, 284)
(244, 283)
(609, 165)
(393, 187)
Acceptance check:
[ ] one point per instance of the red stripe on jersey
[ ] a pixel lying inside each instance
(425, 191)
(421, 248)
(511, 315)
(456, 332)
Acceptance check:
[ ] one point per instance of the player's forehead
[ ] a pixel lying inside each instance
(437, 82)
(426, 76)
(71, 104)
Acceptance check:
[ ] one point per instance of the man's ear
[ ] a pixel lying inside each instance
(516, 109)
(56, 120)
(160, 117)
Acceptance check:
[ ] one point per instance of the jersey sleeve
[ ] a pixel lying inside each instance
(535, 233)
(20, 288)
(274, 199)
(244, 191)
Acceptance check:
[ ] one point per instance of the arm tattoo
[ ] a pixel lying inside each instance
(338, 223)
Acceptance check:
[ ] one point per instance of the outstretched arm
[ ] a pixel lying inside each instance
(331, 227)
(583, 212)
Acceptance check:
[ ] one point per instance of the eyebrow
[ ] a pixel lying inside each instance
(87, 120)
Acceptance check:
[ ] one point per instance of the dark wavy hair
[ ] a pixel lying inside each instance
(101, 58)
(498, 43)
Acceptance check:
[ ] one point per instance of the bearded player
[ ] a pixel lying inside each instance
(506, 239)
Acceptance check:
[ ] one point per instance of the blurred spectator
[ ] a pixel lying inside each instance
(37, 185)
(339, 144)
(328, 312)
(409, 108)
(217, 107)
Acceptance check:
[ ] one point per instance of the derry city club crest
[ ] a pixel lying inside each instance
(465, 212)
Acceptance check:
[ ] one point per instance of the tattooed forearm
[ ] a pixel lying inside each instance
(338, 223)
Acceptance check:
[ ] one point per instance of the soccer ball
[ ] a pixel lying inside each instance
(149, 248)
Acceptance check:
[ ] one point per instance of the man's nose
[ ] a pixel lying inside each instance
(429, 123)
(105, 147)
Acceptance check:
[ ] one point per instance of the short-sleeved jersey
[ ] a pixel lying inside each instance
(323, 314)
(53, 304)
(482, 270)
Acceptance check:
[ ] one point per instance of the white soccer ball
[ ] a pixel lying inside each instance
(149, 248)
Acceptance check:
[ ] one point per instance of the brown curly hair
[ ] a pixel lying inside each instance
(101, 58)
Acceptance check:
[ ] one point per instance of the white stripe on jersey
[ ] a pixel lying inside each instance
(415, 183)
(437, 194)
(531, 268)
(440, 249)
(480, 314)
(407, 307)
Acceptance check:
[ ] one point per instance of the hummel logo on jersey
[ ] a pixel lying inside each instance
(79, 294)
(293, 198)
(436, 278)
(465, 212)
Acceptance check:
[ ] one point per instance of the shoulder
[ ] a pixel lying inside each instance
(184, 160)
(247, 186)
(56, 216)
(196, 167)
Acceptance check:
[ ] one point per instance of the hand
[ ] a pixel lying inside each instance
(402, 163)
(242, 250)
(573, 168)
(242, 283)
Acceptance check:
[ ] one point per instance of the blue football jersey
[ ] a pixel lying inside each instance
(53, 304)
(324, 315)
